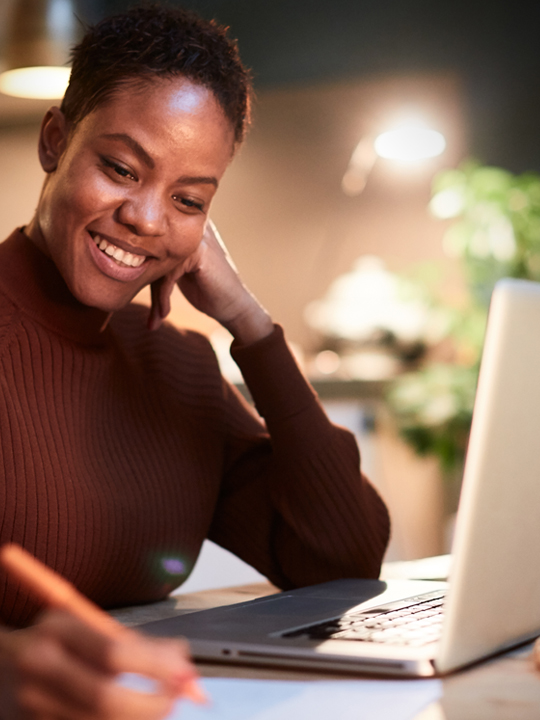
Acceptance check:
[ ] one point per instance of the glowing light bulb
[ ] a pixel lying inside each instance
(35, 82)
(410, 143)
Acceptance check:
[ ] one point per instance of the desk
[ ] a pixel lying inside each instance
(504, 688)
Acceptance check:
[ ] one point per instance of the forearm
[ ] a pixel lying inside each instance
(323, 518)
(317, 518)
(333, 522)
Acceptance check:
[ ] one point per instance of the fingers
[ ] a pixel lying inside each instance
(118, 703)
(536, 653)
(210, 281)
(155, 316)
(211, 235)
(161, 290)
(62, 669)
(164, 660)
(77, 692)
(40, 680)
(48, 681)
(75, 637)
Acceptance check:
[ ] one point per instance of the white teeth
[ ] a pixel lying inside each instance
(121, 257)
(133, 260)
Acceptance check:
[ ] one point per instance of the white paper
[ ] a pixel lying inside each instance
(430, 568)
(245, 699)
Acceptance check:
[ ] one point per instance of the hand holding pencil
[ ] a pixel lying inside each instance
(67, 664)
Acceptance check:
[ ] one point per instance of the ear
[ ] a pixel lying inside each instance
(53, 138)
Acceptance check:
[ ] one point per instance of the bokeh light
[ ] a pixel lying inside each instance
(35, 82)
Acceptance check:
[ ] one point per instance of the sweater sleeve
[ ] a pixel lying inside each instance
(294, 503)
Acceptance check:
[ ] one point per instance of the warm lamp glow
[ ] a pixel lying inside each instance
(410, 143)
(35, 82)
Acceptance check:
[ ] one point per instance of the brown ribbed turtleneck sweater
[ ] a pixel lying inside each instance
(122, 450)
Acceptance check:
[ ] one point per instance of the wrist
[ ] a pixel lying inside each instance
(250, 326)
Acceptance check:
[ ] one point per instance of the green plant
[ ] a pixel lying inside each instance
(495, 234)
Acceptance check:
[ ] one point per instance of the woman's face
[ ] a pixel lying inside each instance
(128, 191)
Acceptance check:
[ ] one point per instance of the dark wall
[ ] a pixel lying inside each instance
(493, 45)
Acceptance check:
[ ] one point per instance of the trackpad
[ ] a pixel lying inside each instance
(270, 614)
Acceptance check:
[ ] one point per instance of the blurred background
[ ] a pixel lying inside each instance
(377, 253)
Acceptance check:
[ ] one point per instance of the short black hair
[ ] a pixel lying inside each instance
(158, 41)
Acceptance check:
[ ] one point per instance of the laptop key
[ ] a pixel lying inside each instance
(416, 623)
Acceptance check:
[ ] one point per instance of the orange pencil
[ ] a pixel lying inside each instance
(57, 592)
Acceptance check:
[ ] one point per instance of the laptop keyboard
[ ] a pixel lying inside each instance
(414, 622)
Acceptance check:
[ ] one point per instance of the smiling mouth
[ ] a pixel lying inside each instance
(121, 257)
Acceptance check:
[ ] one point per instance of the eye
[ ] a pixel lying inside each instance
(188, 203)
(118, 169)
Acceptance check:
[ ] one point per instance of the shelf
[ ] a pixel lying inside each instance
(333, 389)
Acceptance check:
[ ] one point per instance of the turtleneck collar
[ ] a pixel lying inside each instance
(33, 282)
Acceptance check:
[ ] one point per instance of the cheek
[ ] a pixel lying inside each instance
(83, 200)
(186, 237)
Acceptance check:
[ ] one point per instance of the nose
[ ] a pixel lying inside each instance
(143, 213)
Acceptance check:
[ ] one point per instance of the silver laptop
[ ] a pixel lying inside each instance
(417, 628)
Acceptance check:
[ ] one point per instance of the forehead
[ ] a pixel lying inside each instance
(163, 114)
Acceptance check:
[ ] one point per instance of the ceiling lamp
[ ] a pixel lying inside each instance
(39, 36)
(410, 143)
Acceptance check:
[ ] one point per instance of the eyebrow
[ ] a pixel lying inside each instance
(148, 161)
(133, 145)
(197, 180)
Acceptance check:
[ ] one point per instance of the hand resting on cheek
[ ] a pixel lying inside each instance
(210, 282)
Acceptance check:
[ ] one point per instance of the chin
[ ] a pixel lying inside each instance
(102, 301)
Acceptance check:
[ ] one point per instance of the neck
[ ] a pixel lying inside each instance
(34, 284)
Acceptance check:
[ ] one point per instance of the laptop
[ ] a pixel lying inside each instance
(425, 628)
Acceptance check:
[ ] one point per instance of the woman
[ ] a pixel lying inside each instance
(122, 446)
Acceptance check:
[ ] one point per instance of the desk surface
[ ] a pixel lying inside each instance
(504, 688)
